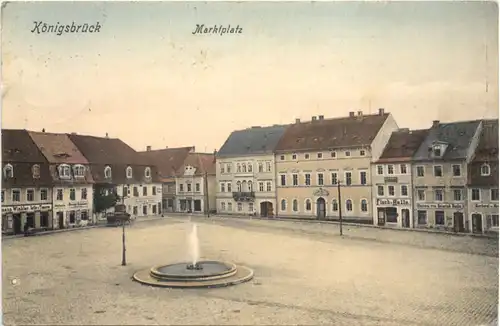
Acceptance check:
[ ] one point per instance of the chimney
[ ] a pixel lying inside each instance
(321, 117)
(148, 148)
(43, 130)
(166, 146)
(297, 120)
(215, 155)
(107, 136)
(381, 111)
(360, 113)
(351, 114)
(435, 123)
(73, 133)
(313, 118)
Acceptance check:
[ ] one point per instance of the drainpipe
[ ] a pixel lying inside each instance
(412, 220)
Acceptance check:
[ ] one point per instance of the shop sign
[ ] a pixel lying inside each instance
(391, 179)
(145, 201)
(25, 208)
(393, 202)
(441, 205)
(78, 204)
(486, 205)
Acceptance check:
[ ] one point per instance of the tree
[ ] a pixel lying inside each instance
(105, 197)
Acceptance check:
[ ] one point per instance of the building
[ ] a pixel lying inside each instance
(246, 175)
(440, 175)
(392, 187)
(196, 187)
(117, 166)
(71, 177)
(168, 161)
(26, 184)
(483, 181)
(312, 157)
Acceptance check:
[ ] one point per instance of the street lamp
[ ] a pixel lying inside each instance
(124, 257)
(207, 204)
(340, 206)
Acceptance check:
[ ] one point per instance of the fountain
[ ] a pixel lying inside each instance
(195, 273)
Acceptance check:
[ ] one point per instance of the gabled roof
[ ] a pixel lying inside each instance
(320, 134)
(167, 160)
(252, 141)
(57, 148)
(203, 162)
(17, 146)
(402, 145)
(487, 149)
(458, 136)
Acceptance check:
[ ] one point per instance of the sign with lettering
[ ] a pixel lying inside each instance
(486, 205)
(321, 192)
(391, 179)
(25, 208)
(393, 202)
(441, 205)
(78, 204)
(145, 201)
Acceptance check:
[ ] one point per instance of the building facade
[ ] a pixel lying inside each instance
(440, 175)
(483, 181)
(196, 187)
(72, 190)
(26, 184)
(246, 176)
(392, 187)
(313, 157)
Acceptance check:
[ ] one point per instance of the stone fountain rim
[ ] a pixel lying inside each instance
(232, 269)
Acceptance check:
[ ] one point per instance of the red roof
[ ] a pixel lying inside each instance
(402, 145)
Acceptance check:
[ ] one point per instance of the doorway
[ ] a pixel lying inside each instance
(406, 217)
(30, 220)
(60, 218)
(266, 209)
(17, 223)
(381, 217)
(320, 208)
(477, 223)
(458, 222)
(197, 205)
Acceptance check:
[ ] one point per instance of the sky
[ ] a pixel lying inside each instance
(146, 79)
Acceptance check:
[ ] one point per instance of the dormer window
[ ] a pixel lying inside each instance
(64, 171)
(129, 172)
(436, 150)
(107, 172)
(147, 172)
(35, 170)
(485, 170)
(79, 171)
(8, 171)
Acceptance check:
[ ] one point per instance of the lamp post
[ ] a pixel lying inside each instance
(124, 257)
(340, 206)
(207, 205)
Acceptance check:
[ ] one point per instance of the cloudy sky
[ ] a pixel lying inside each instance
(145, 78)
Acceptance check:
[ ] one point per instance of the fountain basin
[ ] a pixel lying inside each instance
(211, 273)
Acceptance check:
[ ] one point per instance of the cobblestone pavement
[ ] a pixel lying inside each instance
(304, 274)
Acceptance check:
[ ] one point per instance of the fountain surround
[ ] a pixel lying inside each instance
(194, 274)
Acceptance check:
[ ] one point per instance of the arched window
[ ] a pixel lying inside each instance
(229, 187)
(261, 167)
(485, 169)
(364, 205)
(107, 172)
(295, 205)
(129, 172)
(308, 205)
(244, 186)
(348, 205)
(223, 206)
(79, 170)
(147, 172)
(243, 167)
(238, 186)
(250, 186)
(283, 205)
(335, 205)
(250, 168)
(64, 171)
(238, 167)
(230, 207)
(35, 169)
(8, 171)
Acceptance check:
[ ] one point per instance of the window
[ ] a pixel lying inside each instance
(30, 195)
(243, 167)
(308, 205)
(457, 194)
(348, 178)
(391, 191)
(308, 179)
(347, 154)
(107, 172)
(8, 171)
(421, 195)
(72, 217)
(250, 186)
(438, 171)
(439, 217)
(153, 189)
(420, 171)
(64, 171)
(283, 180)
(436, 150)
(197, 187)
(380, 169)
(494, 220)
(83, 194)
(136, 190)
(238, 167)
(261, 186)
(261, 167)
(222, 187)
(16, 195)
(362, 153)
(335, 205)
(485, 170)
(222, 168)
(72, 194)
(35, 171)
(147, 172)
(268, 166)
(129, 172)
(154, 209)
(295, 205)
(181, 188)
(380, 190)
(364, 205)
(295, 179)
(229, 187)
(390, 169)
(283, 205)
(44, 194)
(79, 171)
(438, 195)
(250, 167)
(404, 190)
(422, 217)
(475, 195)
(135, 210)
(250, 207)
(456, 170)
(3, 195)
(144, 210)
(362, 177)
(230, 207)
(282, 157)
(145, 190)
(294, 156)
(333, 154)
(189, 189)
(494, 194)
(320, 155)
(320, 179)
(334, 178)
(240, 207)
(228, 168)
(268, 186)
(402, 168)
(348, 205)
(306, 156)
(59, 194)
(222, 206)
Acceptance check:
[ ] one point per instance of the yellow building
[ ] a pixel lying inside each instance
(313, 156)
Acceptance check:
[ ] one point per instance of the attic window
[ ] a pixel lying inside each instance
(62, 155)
(107, 172)
(147, 172)
(35, 170)
(129, 172)
(8, 171)
(485, 170)
(64, 171)
(436, 151)
(79, 170)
